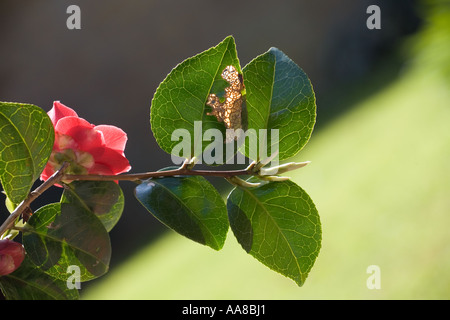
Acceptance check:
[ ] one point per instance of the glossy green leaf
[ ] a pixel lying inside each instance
(279, 225)
(26, 141)
(30, 283)
(180, 99)
(103, 198)
(189, 205)
(60, 235)
(279, 96)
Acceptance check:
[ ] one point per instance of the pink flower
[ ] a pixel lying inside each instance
(88, 149)
(11, 256)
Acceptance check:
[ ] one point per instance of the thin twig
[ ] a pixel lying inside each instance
(157, 174)
(184, 170)
(60, 176)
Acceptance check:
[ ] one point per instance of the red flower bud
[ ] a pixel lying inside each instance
(11, 256)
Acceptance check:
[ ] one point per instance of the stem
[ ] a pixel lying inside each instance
(184, 170)
(60, 176)
(55, 178)
(156, 174)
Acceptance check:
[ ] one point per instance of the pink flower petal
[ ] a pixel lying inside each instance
(113, 159)
(100, 169)
(60, 111)
(115, 138)
(48, 171)
(81, 131)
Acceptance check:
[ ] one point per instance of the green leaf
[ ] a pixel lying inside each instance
(189, 205)
(278, 224)
(59, 235)
(30, 283)
(279, 96)
(103, 198)
(181, 98)
(26, 142)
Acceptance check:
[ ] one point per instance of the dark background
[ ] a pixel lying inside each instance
(109, 70)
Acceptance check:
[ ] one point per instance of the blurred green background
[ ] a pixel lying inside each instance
(379, 174)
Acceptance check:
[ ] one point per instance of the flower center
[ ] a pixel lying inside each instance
(79, 161)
